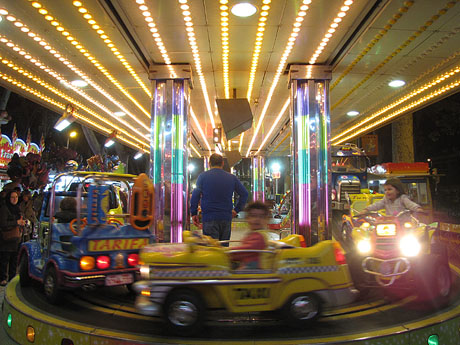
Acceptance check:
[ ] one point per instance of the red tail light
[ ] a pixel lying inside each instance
(303, 244)
(103, 262)
(133, 259)
(339, 255)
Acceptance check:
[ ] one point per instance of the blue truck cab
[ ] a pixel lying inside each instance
(349, 173)
(100, 246)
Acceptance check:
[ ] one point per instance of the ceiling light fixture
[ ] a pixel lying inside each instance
(397, 83)
(353, 113)
(119, 113)
(243, 9)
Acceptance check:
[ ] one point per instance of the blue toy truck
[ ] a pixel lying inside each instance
(100, 246)
(349, 173)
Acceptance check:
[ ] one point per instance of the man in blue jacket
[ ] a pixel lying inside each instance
(215, 189)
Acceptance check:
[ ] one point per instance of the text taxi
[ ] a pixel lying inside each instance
(183, 281)
(95, 244)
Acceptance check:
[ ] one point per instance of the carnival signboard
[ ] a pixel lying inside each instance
(9, 148)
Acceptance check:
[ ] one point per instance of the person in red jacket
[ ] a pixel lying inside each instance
(257, 214)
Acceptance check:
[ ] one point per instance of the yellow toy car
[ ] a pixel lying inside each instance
(182, 281)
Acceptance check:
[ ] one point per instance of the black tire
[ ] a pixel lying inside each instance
(24, 277)
(130, 288)
(346, 236)
(184, 312)
(302, 310)
(51, 286)
(361, 280)
(434, 281)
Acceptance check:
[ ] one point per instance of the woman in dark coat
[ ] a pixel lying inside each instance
(10, 218)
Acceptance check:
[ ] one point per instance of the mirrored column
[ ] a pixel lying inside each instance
(169, 150)
(258, 178)
(310, 151)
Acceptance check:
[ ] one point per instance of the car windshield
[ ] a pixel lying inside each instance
(415, 188)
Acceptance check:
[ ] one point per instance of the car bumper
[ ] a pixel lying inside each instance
(338, 297)
(96, 279)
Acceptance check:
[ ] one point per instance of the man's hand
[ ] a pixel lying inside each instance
(234, 214)
(196, 220)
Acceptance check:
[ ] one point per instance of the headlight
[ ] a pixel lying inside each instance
(386, 230)
(145, 272)
(408, 225)
(364, 246)
(409, 246)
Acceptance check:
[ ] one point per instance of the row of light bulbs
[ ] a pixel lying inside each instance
(405, 109)
(60, 28)
(331, 30)
(56, 54)
(62, 107)
(289, 46)
(106, 39)
(437, 80)
(258, 46)
(156, 35)
(225, 45)
(56, 75)
(47, 86)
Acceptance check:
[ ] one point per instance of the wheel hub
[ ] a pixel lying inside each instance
(49, 285)
(303, 308)
(183, 313)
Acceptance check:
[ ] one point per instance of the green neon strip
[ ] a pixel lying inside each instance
(177, 150)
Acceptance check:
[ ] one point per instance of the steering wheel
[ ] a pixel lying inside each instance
(73, 228)
(115, 221)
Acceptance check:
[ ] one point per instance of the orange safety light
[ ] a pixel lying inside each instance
(87, 263)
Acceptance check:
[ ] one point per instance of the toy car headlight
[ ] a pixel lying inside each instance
(386, 230)
(145, 271)
(364, 246)
(409, 246)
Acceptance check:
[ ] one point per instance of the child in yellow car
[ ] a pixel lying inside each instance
(257, 214)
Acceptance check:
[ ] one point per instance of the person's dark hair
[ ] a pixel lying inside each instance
(395, 183)
(26, 192)
(68, 203)
(258, 205)
(216, 160)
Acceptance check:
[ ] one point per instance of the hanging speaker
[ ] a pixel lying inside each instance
(235, 115)
(233, 157)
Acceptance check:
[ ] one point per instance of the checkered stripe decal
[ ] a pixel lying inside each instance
(194, 273)
(310, 269)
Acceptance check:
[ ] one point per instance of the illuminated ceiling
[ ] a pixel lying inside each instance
(110, 44)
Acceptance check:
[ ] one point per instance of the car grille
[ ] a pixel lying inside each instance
(353, 187)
